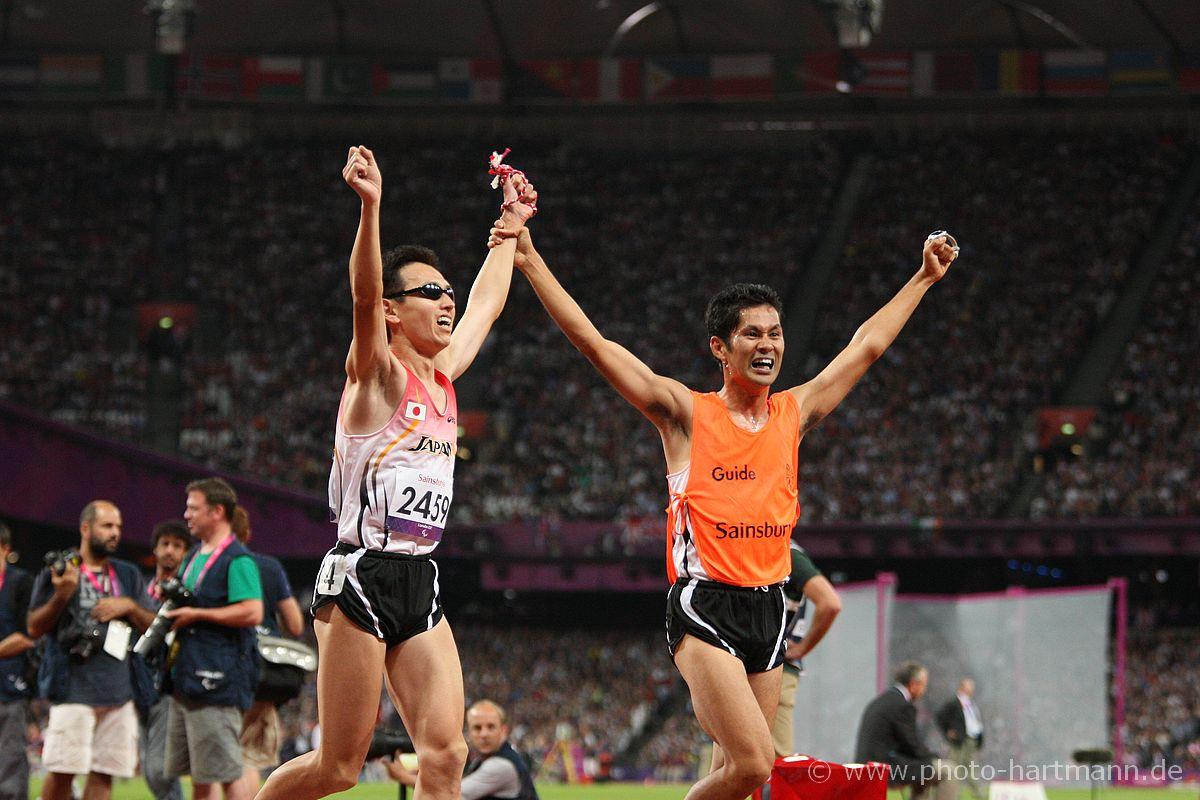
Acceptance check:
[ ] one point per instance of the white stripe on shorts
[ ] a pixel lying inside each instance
(685, 602)
(436, 590)
(782, 630)
(352, 575)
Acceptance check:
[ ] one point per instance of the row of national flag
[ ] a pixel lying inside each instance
(1056, 73)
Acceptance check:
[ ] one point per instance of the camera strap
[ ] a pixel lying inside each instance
(152, 590)
(114, 584)
(212, 559)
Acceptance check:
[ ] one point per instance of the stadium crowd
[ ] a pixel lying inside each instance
(74, 255)
(597, 689)
(937, 429)
(1139, 452)
(1162, 720)
(257, 238)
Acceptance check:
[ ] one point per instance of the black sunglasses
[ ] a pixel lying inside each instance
(430, 291)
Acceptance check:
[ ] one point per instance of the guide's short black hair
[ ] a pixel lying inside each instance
(397, 258)
(725, 309)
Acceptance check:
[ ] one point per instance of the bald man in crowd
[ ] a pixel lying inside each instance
(495, 769)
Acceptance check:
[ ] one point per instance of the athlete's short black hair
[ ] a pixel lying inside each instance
(725, 309)
(396, 259)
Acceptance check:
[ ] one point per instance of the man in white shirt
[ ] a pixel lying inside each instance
(962, 726)
(495, 771)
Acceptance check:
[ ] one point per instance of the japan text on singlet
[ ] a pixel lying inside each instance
(734, 505)
(391, 490)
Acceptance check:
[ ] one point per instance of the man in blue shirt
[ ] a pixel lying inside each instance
(281, 613)
(14, 684)
(92, 612)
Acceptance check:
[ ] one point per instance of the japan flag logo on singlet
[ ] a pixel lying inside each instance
(414, 410)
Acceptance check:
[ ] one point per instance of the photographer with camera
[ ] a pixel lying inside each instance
(170, 541)
(495, 770)
(215, 660)
(15, 688)
(90, 603)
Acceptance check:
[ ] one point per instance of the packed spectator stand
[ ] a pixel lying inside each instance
(258, 238)
(1140, 454)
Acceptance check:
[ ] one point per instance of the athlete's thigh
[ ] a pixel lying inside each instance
(726, 705)
(349, 674)
(765, 686)
(425, 679)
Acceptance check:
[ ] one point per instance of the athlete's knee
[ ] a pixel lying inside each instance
(335, 775)
(443, 759)
(750, 770)
(339, 779)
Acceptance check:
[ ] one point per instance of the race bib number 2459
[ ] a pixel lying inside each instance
(419, 503)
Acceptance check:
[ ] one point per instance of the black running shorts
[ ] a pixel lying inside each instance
(390, 595)
(745, 622)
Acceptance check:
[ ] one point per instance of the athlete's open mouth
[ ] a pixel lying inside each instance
(763, 364)
(445, 321)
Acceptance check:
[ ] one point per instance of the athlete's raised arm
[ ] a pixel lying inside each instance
(823, 393)
(368, 357)
(664, 401)
(490, 290)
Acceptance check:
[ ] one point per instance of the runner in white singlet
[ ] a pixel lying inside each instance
(377, 604)
(391, 490)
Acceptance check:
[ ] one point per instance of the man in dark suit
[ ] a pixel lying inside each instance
(888, 734)
(962, 726)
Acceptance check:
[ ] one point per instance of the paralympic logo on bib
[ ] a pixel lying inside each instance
(414, 528)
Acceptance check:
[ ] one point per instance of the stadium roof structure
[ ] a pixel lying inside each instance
(589, 28)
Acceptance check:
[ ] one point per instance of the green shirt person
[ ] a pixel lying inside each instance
(804, 629)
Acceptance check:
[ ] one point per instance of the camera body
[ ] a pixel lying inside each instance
(57, 561)
(174, 595)
(83, 638)
(386, 741)
(174, 592)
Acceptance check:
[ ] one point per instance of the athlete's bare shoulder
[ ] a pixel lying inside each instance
(368, 404)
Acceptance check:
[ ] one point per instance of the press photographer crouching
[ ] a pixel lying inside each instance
(87, 606)
(495, 770)
(214, 663)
